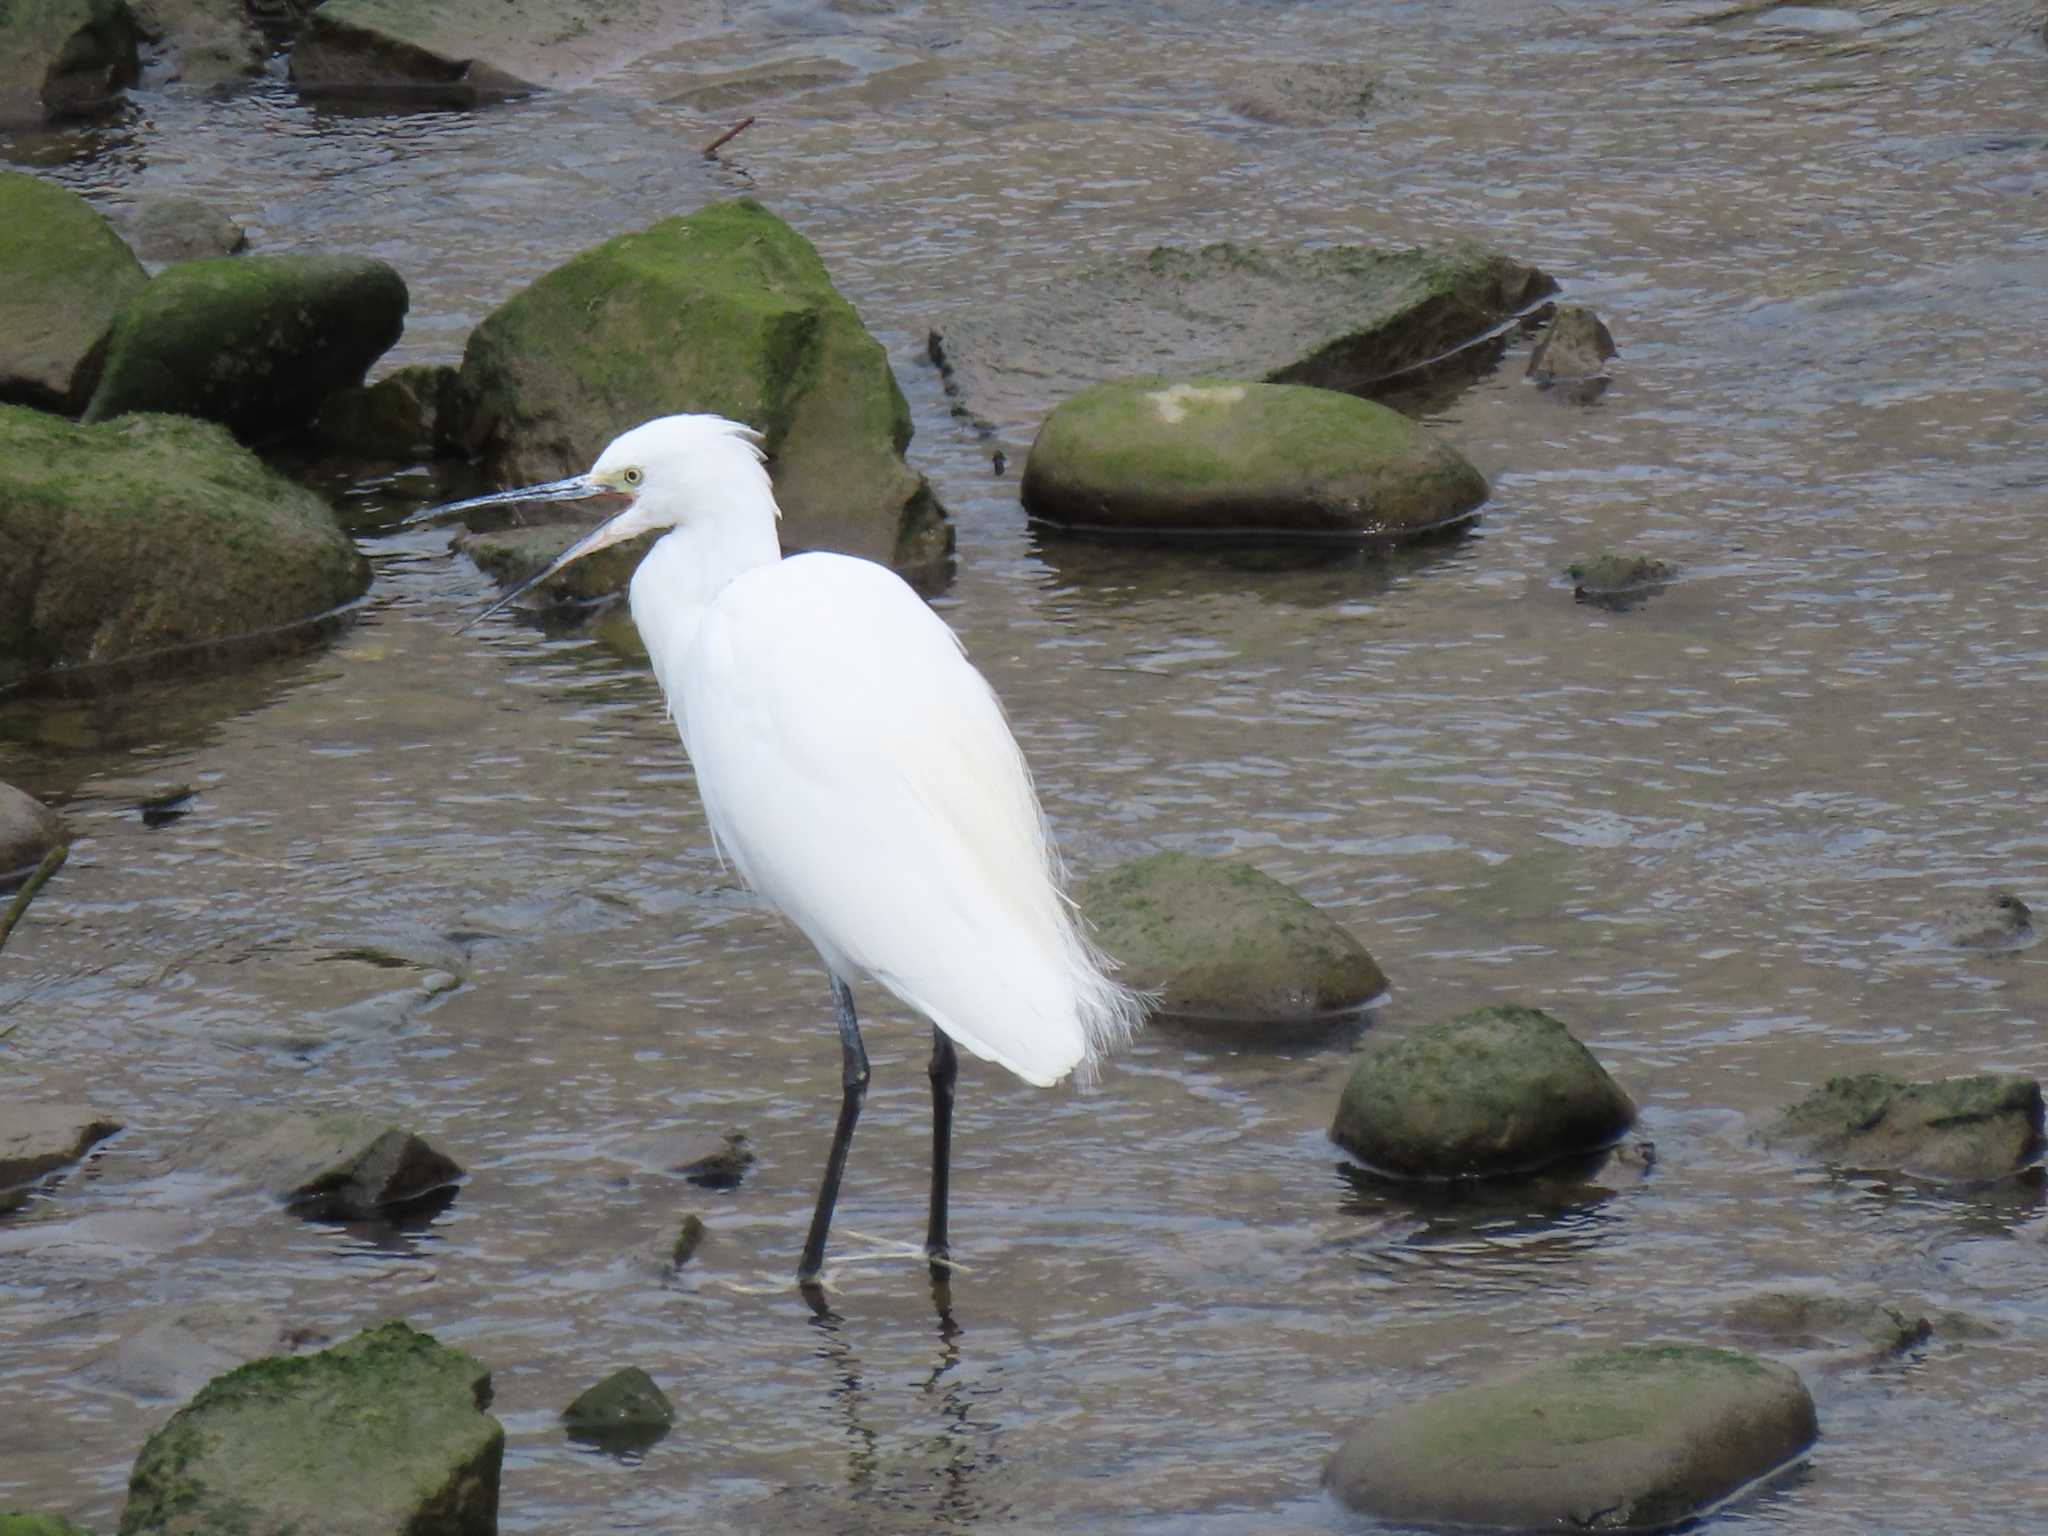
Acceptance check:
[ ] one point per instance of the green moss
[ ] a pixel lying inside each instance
(64, 275)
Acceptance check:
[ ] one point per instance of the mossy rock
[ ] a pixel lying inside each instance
(396, 419)
(1230, 951)
(625, 1412)
(1618, 582)
(1230, 457)
(148, 534)
(64, 275)
(64, 58)
(1956, 1130)
(337, 1165)
(1817, 1320)
(1575, 345)
(254, 342)
(384, 1432)
(1366, 321)
(210, 42)
(728, 311)
(510, 555)
(1497, 1091)
(19, 1524)
(1639, 1438)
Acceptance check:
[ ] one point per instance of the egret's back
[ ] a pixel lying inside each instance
(859, 773)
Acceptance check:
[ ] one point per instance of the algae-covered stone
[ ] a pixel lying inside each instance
(1341, 317)
(624, 1412)
(729, 311)
(1222, 456)
(398, 417)
(210, 41)
(64, 275)
(168, 229)
(150, 533)
(1960, 1129)
(1574, 345)
(63, 58)
(1989, 920)
(1632, 1439)
(1227, 948)
(254, 342)
(329, 1165)
(1617, 582)
(1496, 1091)
(1824, 1320)
(383, 1433)
(28, 830)
(36, 1139)
(17, 1523)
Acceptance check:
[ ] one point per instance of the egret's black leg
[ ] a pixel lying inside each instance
(944, 1068)
(853, 1081)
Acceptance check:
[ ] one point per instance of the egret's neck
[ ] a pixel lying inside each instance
(688, 567)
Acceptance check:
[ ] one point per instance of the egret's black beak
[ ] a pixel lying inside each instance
(575, 488)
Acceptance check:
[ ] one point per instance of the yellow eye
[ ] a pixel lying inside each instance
(632, 477)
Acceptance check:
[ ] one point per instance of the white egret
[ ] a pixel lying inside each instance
(857, 771)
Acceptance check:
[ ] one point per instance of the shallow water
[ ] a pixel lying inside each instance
(1716, 833)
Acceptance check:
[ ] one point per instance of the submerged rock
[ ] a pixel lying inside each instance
(150, 533)
(171, 229)
(1632, 1439)
(1226, 457)
(254, 342)
(1822, 1320)
(1618, 582)
(1987, 920)
(64, 275)
(1312, 94)
(730, 311)
(1229, 950)
(64, 58)
(1497, 1091)
(333, 1165)
(1574, 346)
(29, 829)
(624, 1412)
(1349, 318)
(36, 1139)
(1957, 1130)
(383, 1433)
(721, 1166)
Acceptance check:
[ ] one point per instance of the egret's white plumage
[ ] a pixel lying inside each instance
(854, 767)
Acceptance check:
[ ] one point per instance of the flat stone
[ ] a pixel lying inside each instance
(332, 1165)
(1230, 951)
(1497, 1091)
(28, 831)
(1220, 457)
(36, 1139)
(1349, 318)
(383, 1433)
(1640, 1438)
(1956, 1130)
(64, 275)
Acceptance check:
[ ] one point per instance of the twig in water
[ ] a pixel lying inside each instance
(738, 128)
(51, 862)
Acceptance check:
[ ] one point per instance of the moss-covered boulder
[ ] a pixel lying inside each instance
(1633, 1439)
(327, 1164)
(63, 58)
(207, 42)
(36, 1139)
(383, 1433)
(623, 1413)
(1352, 318)
(64, 275)
(17, 1523)
(397, 418)
(148, 534)
(1230, 951)
(1957, 1130)
(171, 229)
(28, 830)
(1227, 457)
(1497, 1091)
(254, 342)
(728, 310)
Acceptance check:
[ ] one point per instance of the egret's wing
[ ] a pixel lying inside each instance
(859, 772)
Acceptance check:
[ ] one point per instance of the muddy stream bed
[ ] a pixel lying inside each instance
(463, 878)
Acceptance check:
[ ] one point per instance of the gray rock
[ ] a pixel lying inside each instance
(1632, 1439)
(1324, 93)
(1990, 920)
(1618, 582)
(510, 555)
(1346, 317)
(254, 342)
(729, 310)
(330, 1165)
(462, 52)
(64, 275)
(28, 830)
(1497, 1091)
(1824, 1321)
(172, 229)
(1575, 345)
(210, 42)
(383, 1433)
(1957, 1130)
(625, 1412)
(1228, 457)
(152, 533)
(63, 58)
(1230, 951)
(721, 1166)
(36, 1139)
(398, 418)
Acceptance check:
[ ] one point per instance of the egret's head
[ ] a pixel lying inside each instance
(673, 470)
